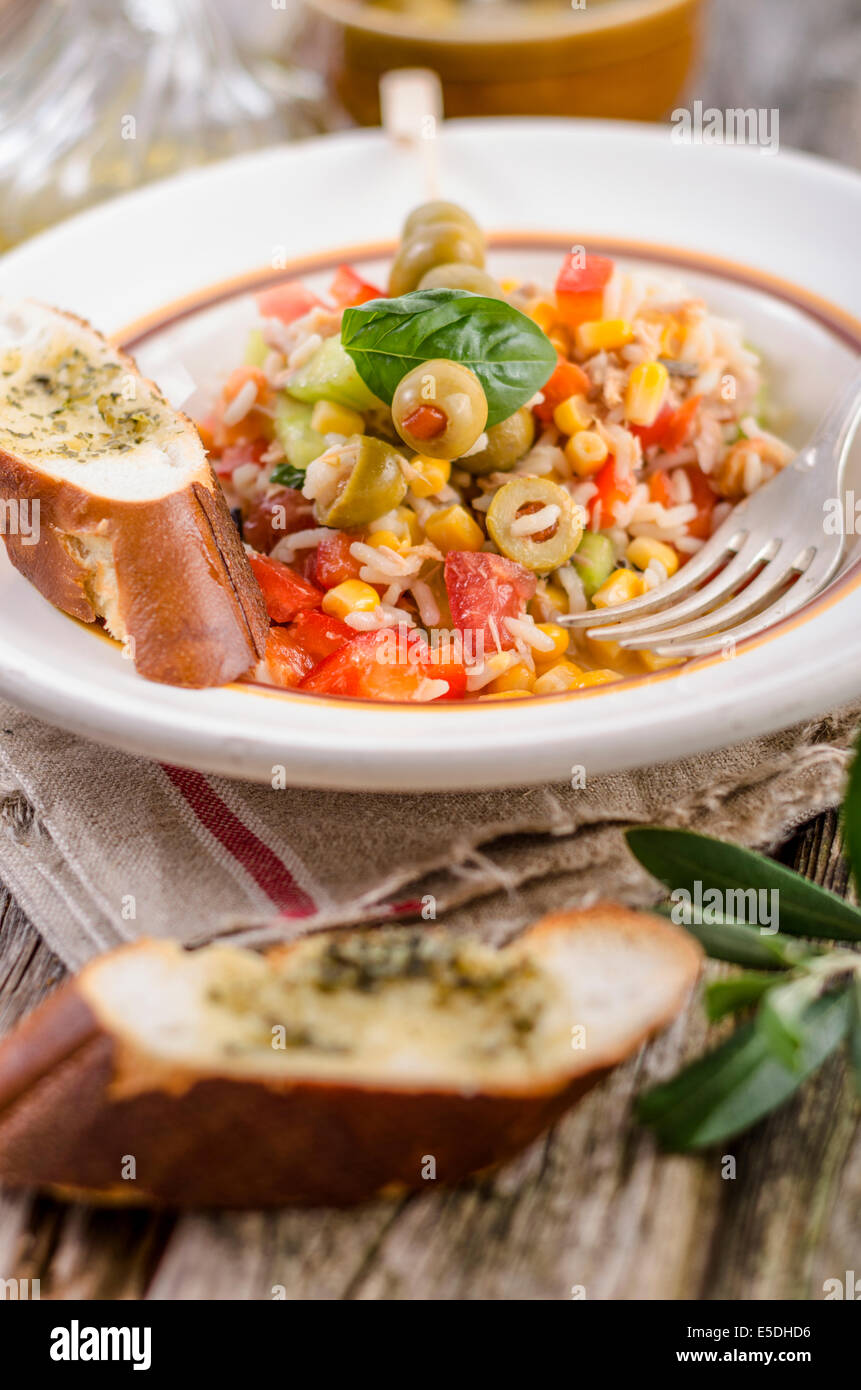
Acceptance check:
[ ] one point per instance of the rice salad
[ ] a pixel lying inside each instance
(427, 477)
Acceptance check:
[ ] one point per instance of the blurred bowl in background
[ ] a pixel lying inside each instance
(627, 59)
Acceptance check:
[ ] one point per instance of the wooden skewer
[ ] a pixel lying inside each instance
(411, 106)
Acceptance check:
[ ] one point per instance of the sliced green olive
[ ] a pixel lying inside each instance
(457, 276)
(507, 523)
(439, 408)
(506, 443)
(373, 486)
(439, 243)
(438, 211)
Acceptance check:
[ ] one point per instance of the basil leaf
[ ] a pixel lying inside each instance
(508, 352)
(681, 859)
(734, 1086)
(724, 997)
(852, 816)
(288, 476)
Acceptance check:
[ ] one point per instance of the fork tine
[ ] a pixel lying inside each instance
(814, 578)
(727, 539)
(775, 573)
(746, 559)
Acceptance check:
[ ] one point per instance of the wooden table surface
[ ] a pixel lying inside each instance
(594, 1203)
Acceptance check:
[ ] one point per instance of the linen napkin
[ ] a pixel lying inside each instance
(100, 847)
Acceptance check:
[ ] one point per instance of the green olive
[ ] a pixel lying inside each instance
(549, 547)
(438, 211)
(439, 408)
(374, 485)
(506, 443)
(457, 276)
(440, 243)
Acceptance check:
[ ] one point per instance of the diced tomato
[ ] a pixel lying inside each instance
(293, 652)
(236, 454)
(348, 288)
(671, 428)
(278, 515)
(287, 662)
(614, 488)
(704, 499)
(567, 380)
(483, 590)
(580, 287)
(286, 593)
(333, 562)
(287, 302)
(660, 489)
(387, 665)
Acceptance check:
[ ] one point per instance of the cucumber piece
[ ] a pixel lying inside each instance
(256, 350)
(594, 560)
(330, 375)
(293, 431)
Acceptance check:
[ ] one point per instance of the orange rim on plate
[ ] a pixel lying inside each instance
(841, 324)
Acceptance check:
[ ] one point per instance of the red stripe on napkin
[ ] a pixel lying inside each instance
(256, 858)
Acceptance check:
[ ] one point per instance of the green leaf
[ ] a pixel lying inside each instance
(288, 476)
(724, 997)
(734, 1086)
(855, 1033)
(508, 352)
(781, 1018)
(682, 860)
(852, 816)
(743, 945)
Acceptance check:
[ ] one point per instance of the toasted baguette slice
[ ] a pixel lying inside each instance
(346, 1065)
(132, 527)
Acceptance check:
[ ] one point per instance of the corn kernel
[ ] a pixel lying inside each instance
(572, 415)
(597, 678)
(408, 523)
(602, 653)
(505, 695)
(545, 314)
(560, 636)
(519, 676)
(644, 394)
(452, 528)
(619, 588)
(509, 286)
(561, 340)
(586, 452)
(353, 596)
(653, 662)
(563, 676)
(645, 549)
(603, 335)
(428, 476)
(672, 337)
(397, 543)
(329, 418)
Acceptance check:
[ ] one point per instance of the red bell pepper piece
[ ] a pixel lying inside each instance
(704, 499)
(286, 593)
(580, 287)
(671, 427)
(567, 380)
(287, 302)
(392, 664)
(293, 652)
(482, 591)
(613, 488)
(348, 288)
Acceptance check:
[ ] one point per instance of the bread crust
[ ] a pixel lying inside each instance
(69, 1117)
(190, 607)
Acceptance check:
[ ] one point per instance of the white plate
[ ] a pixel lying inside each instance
(539, 185)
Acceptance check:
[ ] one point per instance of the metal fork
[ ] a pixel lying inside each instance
(771, 538)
